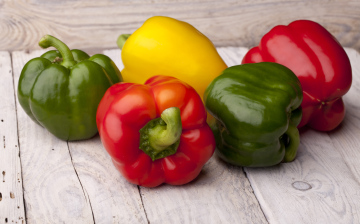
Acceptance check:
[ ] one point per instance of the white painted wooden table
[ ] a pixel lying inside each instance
(46, 180)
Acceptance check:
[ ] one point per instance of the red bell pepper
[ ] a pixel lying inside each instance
(155, 133)
(320, 63)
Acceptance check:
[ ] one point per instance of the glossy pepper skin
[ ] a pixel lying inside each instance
(147, 150)
(320, 63)
(61, 90)
(166, 46)
(257, 108)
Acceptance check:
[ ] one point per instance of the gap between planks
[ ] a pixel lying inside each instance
(11, 191)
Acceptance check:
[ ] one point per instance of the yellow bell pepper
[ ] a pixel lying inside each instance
(166, 46)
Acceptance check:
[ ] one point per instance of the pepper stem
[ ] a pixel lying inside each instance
(122, 39)
(294, 141)
(50, 41)
(160, 137)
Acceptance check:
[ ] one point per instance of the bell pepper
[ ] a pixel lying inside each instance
(320, 63)
(257, 110)
(155, 132)
(61, 90)
(166, 46)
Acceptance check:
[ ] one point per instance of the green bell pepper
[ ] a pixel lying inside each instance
(61, 89)
(257, 110)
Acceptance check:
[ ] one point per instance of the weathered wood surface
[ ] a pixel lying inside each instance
(97, 24)
(11, 193)
(74, 182)
(322, 185)
(52, 190)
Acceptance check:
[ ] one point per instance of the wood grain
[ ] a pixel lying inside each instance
(317, 187)
(112, 198)
(346, 137)
(11, 194)
(52, 190)
(322, 184)
(97, 24)
(220, 194)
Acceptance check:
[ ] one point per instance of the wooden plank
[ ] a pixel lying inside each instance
(322, 184)
(11, 194)
(112, 198)
(346, 138)
(317, 187)
(220, 194)
(52, 190)
(97, 24)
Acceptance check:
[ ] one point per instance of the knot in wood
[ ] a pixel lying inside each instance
(301, 186)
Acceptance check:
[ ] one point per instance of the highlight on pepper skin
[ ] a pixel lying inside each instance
(61, 89)
(167, 46)
(320, 63)
(257, 109)
(155, 132)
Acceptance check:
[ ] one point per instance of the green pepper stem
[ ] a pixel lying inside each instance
(50, 41)
(294, 142)
(122, 39)
(161, 137)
